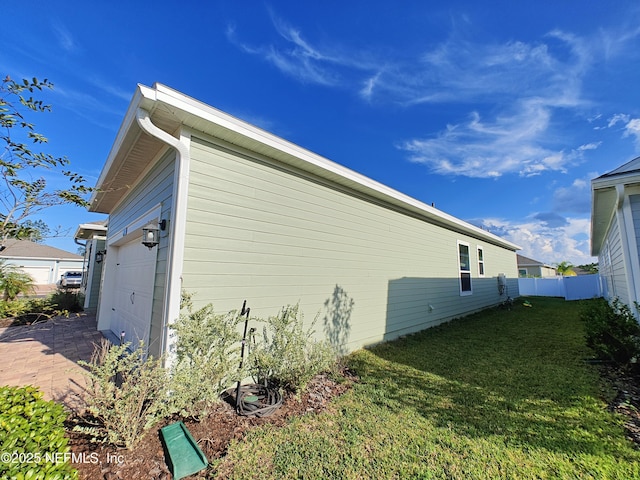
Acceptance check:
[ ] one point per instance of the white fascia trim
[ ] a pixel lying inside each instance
(178, 222)
(613, 180)
(201, 110)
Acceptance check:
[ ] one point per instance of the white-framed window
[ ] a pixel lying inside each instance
(480, 262)
(464, 267)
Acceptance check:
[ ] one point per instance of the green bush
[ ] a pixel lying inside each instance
(14, 281)
(126, 393)
(65, 300)
(207, 358)
(13, 308)
(612, 331)
(287, 355)
(32, 440)
(29, 310)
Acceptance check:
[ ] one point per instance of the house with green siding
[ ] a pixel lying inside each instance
(93, 237)
(230, 212)
(615, 232)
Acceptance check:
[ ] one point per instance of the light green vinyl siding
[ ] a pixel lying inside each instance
(618, 279)
(272, 236)
(155, 188)
(634, 201)
(93, 294)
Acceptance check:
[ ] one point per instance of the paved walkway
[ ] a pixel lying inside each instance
(46, 354)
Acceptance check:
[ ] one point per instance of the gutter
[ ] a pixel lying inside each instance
(177, 222)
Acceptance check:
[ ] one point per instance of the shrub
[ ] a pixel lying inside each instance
(287, 355)
(612, 331)
(32, 435)
(13, 308)
(126, 393)
(207, 358)
(29, 310)
(67, 301)
(14, 281)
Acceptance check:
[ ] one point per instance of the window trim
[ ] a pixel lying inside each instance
(481, 262)
(462, 272)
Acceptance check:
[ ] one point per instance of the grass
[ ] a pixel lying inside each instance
(499, 394)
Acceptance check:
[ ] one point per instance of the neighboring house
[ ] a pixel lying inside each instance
(615, 231)
(242, 214)
(94, 236)
(45, 264)
(527, 267)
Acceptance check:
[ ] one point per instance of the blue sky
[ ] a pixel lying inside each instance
(500, 113)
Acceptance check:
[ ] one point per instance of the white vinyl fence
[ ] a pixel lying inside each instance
(570, 288)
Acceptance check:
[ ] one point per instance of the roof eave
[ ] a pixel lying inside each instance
(127, 135)
(199, 116)
(604, 201)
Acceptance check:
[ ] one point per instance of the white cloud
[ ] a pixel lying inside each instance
(110, 89)
(65, 39)
(630, 126)
(510, 144)
(618, 117)
(576, 198)
(527, 84)
(547, 242)
(632, 129)
(295, 56)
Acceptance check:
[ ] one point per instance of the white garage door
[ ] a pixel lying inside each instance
(133, 295)
(40, 275)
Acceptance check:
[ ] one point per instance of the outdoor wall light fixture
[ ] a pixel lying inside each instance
(151, 234)
(100, 254)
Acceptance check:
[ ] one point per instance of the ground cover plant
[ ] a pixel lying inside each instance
(500, 394)
(32, 436)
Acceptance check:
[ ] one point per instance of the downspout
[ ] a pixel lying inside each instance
(177, 223)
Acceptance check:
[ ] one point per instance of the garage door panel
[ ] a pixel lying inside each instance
(133, 299)
(40, 275)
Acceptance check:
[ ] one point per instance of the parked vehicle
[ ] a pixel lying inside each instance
(70, 279)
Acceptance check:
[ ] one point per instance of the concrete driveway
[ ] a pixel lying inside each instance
(45, 355)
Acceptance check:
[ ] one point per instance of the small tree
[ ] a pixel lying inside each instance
(23, 190)
(589, 267)
(565, 268)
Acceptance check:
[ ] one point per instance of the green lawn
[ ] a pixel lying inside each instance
(500, 394)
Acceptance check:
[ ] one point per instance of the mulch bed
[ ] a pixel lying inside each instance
(213, 434)
(626, 385)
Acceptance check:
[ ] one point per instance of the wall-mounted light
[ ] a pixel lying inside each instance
(151, 234)
(100, 254)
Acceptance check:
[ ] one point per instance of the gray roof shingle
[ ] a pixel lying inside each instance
(28, 249)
